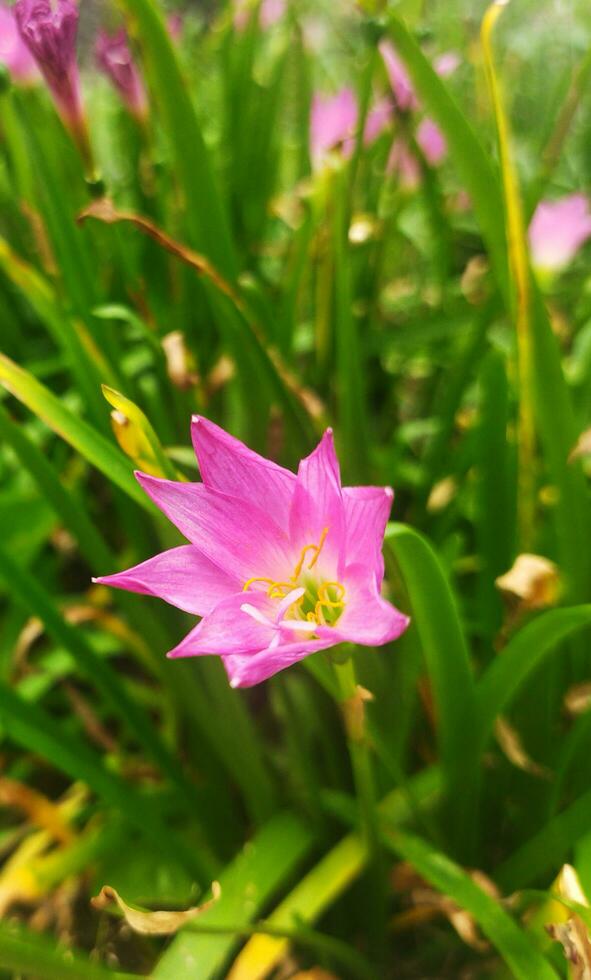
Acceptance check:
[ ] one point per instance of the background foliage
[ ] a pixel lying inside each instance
(332, 294)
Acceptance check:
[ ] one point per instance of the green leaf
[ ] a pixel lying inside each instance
(473, 163)
(31, 727)
(26, 953)
(28, 592)
(325, 883)
(82, 437)
(525, 651)
(520, 954)
(247, 884)
(205, 215)
(434, 616)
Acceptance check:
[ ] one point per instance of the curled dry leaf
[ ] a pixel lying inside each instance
(180, 363)
(512, 746)
(532, 580)
(572, 934)
(577, 699)
(428, 903)
(442, 494)
(163, 923)
(354, 712)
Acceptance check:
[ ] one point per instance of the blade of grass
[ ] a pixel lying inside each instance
(25, 952)
(524, 653)
(205, 215)
(82, 437)
(27, 590)
(519, 286)
(32, 728)
(324, 884)
(513, 943)
(266, 861)
(435, 618)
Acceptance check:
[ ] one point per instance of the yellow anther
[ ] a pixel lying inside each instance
(258, 578)
(278, 590)
(315, 549)
(325, 599)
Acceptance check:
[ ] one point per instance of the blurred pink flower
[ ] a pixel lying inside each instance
(174, 25)
(445, 64)
(378, 118)
(49, 29)
(404, 163)
(431, 141)
(279, 566)
(14, 53)
(404, 93)
(557, 231)
(332, 123)
(271, 12)
(115, 59)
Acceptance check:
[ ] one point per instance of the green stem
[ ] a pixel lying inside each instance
(352, 705)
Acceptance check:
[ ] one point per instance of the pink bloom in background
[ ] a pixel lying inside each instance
(279, 566)
(14, 53)
(116, 61)
(445, 64)
(378, 118)
(333, 121)
(174, 25)
(401, 85)
(403, 162)
(557, 231)
(431, 141)
(271, 12)
(49, 29)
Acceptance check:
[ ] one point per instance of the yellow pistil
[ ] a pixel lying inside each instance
(323, 600)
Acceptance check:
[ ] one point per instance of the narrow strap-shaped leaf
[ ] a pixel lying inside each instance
(503, 680)
(471, 160)
(325, 883)
(269, 859)
(27, 590)
(82, 437)
(24, 952)
(515, 946)
(435, 617)
(205, 215)
(31, 727)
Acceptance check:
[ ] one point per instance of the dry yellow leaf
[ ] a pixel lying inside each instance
(164, 923)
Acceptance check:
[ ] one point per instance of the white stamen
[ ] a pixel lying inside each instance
(288, 601)
(256, 614)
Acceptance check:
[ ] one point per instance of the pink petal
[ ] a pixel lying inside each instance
(432, 142)
(333, 121)
(445, 64)
(229, 628)
(238, 537)
(367, 619)
(557, 231)
(226, 464)
(367, 511)
(317, 505)
(244, 671)
(400, 82)
(182, 576)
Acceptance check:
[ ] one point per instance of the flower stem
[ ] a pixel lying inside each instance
(352, 701)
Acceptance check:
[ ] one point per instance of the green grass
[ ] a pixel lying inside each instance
(240, 282)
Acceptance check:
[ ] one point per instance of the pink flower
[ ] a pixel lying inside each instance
(378, 118)
(174, 25)
(279, 566)
(557, 231)
(431, 141)
(49, 29)
(400, 82)
(115, 60)
(271, 11)
(14, 53)
(403, 162)
(402, 87)
(332, 123)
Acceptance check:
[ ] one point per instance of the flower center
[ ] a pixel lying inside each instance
(322, 601)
